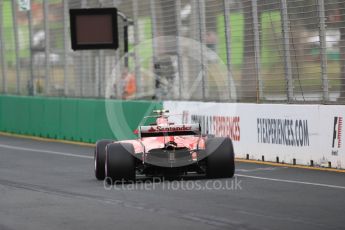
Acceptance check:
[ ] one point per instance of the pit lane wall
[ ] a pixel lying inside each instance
(74, 119)
(303, 134)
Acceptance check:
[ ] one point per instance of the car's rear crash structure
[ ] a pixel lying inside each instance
(164, 149)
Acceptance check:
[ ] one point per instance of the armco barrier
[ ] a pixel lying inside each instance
(69, 118)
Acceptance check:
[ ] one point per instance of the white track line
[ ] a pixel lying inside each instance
(292, 181)
(239, 175)
(44, 151)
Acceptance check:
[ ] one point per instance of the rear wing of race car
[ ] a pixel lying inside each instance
(169, 130)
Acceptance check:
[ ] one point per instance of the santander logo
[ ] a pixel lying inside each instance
(151, 130)
(169, 128)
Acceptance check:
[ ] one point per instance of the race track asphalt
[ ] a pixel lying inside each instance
(47, 185)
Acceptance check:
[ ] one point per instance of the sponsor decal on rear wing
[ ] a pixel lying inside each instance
(169, 130)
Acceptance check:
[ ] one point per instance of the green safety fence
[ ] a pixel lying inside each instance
(73, 119)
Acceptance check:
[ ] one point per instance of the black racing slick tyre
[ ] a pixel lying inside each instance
(120, 163)
(99, 158)
(220, 161)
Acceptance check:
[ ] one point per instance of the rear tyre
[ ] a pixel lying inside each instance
(220, 162)
(99, 158)
(120, 163)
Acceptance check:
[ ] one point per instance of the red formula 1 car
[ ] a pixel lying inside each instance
(164, 149)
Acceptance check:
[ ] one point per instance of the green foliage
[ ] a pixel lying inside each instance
(271, 34)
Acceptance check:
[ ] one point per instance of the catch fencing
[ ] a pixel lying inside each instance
(289, 51)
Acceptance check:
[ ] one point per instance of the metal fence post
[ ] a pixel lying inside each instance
(257, 48)
(31, 80)
(2, 52)
(47, 46)
(66, 43)
(202, 32)
(118, 68)
(137, 61)
(83, 61)
(16, 41)
(154, 26)
(101, 72)
(154, 44)
(118, 75)
(228, 43)
(81, 72)
(323, 53)
(287, 54)
(99, 67)
(179, 47)
(97, 74)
